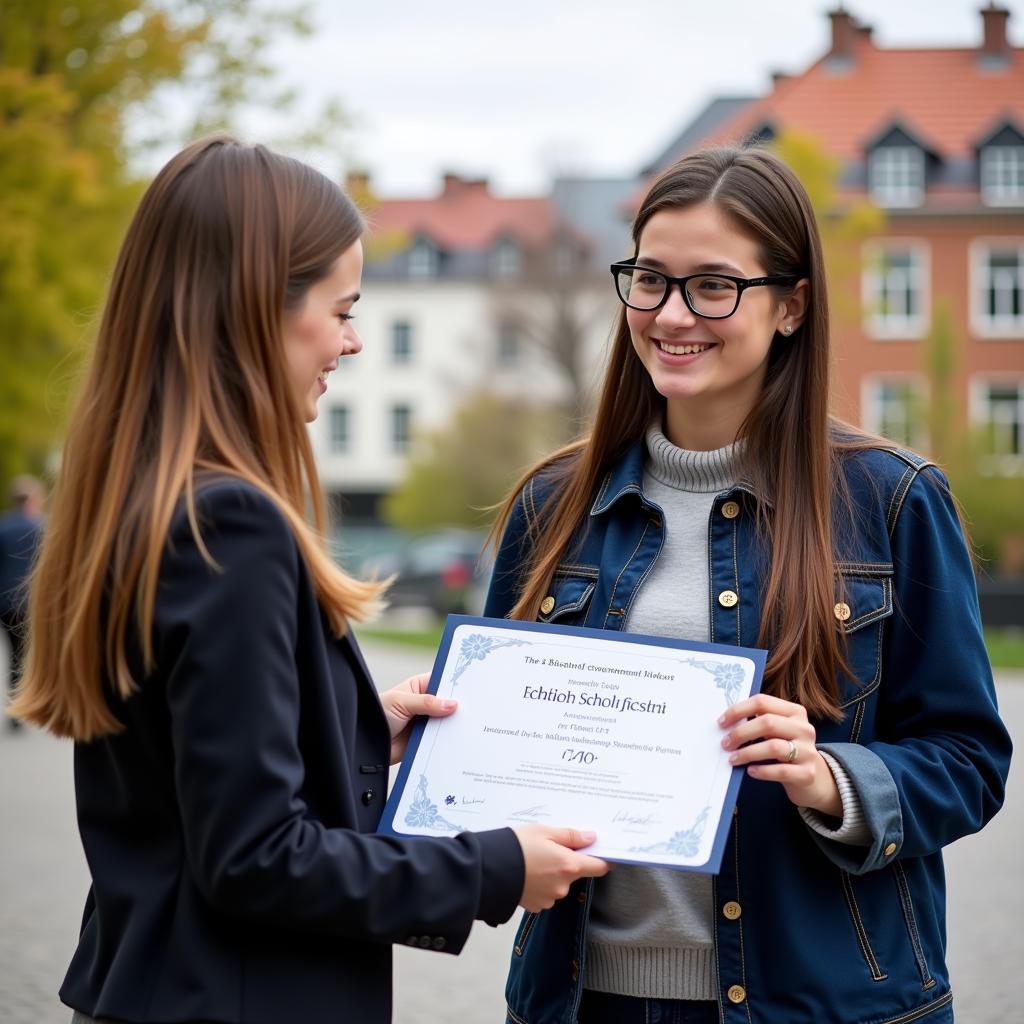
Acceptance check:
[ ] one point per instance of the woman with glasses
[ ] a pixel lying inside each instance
(190, 632)
(716, 500)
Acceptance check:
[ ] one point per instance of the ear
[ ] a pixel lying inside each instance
(793, 311)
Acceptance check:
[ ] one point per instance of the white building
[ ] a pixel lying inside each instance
(460, 295)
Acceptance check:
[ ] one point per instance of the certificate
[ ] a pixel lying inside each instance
(586, 728)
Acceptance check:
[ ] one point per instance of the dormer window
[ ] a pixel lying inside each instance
(422, 260)
(896, 176)
(507, 260)
(1002, 175)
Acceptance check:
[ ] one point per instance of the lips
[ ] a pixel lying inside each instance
(682, 348)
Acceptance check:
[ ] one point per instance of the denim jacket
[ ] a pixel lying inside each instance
(807, 929)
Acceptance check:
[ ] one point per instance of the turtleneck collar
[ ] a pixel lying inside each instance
(702, 472)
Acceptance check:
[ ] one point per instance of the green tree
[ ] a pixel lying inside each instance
(844, 225)
(990, 500)
(76, 80)
(458, 473)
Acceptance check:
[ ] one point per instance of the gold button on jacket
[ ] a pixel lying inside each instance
(736, 993)
(731, 509)
(547, 604)
(842, 611)
(732, 910)
(890, 849)
(728, 598)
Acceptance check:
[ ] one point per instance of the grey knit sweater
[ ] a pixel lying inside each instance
(650, 931)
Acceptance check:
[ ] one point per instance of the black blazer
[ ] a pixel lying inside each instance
(229, 827)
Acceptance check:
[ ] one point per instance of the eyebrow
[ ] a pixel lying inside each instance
(701, 268)
(354, 297)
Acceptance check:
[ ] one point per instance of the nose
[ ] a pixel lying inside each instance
(352, 343)
(675, 313)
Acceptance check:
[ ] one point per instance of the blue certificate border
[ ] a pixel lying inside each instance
(756, 655)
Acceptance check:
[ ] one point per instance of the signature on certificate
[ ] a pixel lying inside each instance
(629, 818)
(540, 811)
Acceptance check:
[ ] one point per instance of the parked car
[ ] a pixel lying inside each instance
(443, 571)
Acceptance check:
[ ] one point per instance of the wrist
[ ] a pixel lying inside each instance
(825, 796)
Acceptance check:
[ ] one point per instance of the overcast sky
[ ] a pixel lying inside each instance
(518, 91)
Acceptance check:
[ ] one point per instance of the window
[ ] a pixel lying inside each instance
(339, 427)
(998, 291)
(509, 348)
(507, 259)
(896, 175)
(401, 428)
(998, 409)
(422, 260)
(896, 290)
(1002, 175)
(895, 408)
(401, 341)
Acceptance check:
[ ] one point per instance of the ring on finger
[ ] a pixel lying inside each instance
(791, 756)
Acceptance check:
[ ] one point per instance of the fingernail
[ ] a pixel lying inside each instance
(588, 837)
(449, 705)
(721, 720)
(726, 742)
(733, 758)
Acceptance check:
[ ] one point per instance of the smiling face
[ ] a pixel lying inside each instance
(320, 330)
(710, 372)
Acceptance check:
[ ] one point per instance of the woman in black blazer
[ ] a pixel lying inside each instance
(189, 630)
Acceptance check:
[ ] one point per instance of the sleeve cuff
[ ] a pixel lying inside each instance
(880, 803)
(502, 877)
(852, 830)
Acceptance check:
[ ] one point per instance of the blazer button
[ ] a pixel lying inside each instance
(424, 942)
(890, 850)
(736, 993)
(547, 605)
(412, 940)
(440, 942)
(728, 598)
(367, 797)
(732, 910)
(842, 611)
(730, 509)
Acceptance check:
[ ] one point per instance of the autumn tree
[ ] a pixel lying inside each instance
(77, 82)
(457, 473)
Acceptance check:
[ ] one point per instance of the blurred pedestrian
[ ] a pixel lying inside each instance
(189, 630)
(20, 531)
(715, 499)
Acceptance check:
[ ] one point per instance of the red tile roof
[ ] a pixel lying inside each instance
(946, 98)
(466, 216)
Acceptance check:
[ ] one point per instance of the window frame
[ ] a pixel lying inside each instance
(980, 408)
(871, 406)
(982, 324)
(400, 357)
(996, 193)
(400, 445)
(875, 272)
(903, 195)
(344, 447)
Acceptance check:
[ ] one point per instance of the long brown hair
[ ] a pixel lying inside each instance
(790, 451)
(188, 378)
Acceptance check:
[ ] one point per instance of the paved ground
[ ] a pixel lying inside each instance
(43, 882)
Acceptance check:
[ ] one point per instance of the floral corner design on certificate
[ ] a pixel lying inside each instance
(729, 677)
(685, 843)
(476, 647)
(422, 813)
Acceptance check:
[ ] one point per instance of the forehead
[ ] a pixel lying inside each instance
(687, 236)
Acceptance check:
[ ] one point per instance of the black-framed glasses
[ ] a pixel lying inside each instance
(711, 296)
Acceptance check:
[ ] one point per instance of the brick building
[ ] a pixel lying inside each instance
(935, 138)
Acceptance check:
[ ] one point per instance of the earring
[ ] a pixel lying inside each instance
(787, 330)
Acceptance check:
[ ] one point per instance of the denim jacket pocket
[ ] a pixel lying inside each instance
(569, 594)
(862, 606)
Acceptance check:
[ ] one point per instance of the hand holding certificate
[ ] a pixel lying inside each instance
(607, 732)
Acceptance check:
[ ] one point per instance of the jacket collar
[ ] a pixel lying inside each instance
(627, 477)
